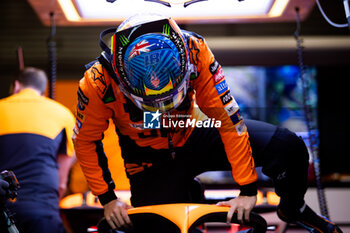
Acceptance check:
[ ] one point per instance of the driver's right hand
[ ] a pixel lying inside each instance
(116, 214)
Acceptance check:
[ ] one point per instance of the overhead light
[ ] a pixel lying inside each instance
(69, 10)
(112, 12)
(278, 8)
(194, 11)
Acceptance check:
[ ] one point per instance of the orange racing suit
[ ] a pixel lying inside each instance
(100, 99)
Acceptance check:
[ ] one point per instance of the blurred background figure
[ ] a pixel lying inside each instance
(3, 186)
(35, 143)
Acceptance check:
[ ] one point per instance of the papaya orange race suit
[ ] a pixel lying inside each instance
(212, 134)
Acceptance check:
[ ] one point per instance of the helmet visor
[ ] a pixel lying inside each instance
(163, 103)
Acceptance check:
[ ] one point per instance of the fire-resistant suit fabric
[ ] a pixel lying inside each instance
(100, 99)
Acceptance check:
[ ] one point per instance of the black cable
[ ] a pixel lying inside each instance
(51, 46)
(347, 14)
(309, 118)
(7, 222)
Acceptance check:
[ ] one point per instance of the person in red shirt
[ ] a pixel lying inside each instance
(176, 118)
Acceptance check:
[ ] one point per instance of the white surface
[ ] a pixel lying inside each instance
(338, 201)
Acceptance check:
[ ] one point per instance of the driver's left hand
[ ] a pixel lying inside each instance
(242, 205)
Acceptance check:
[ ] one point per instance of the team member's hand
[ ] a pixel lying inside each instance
(242, 205)
(3, 187)
(62, 190)
(116, 214)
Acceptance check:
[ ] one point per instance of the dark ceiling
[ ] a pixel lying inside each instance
(76, 46)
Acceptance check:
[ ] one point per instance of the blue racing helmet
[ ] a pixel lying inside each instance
(151, 62)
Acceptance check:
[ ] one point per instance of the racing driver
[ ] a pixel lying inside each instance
(176, 118)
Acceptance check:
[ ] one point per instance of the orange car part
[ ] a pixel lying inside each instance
(77, 200)
(182, 215)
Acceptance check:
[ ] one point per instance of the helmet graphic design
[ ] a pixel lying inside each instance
(151, 62)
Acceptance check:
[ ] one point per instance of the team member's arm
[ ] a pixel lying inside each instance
(66, 155)
(215, 100)
(64, 162)
(92, 119)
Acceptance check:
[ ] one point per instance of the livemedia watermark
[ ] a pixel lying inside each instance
(157, 120)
